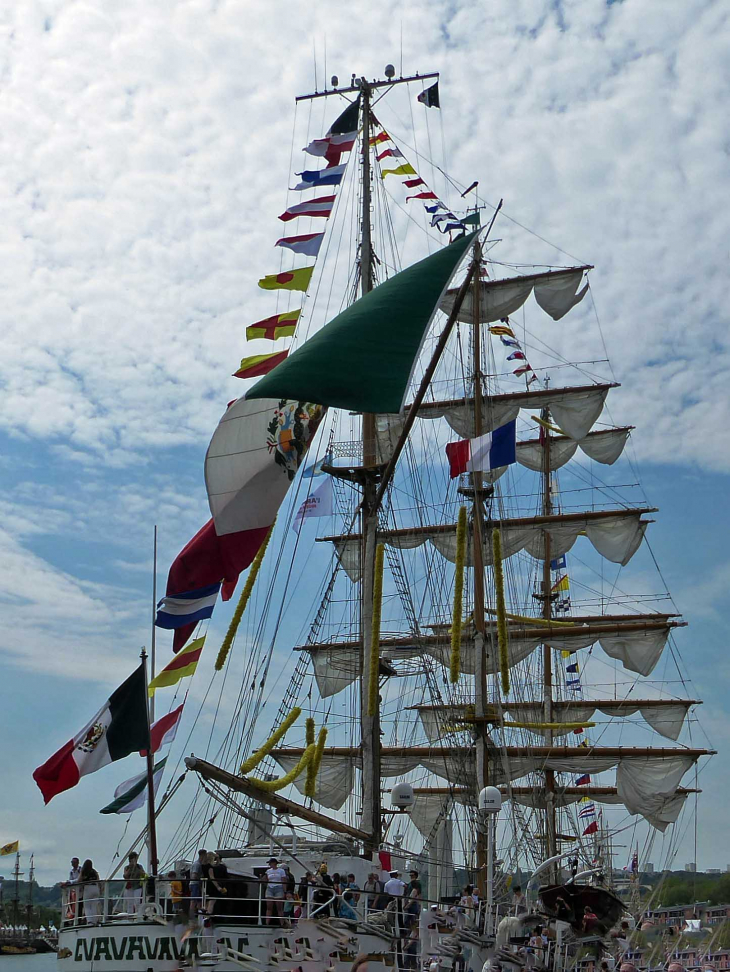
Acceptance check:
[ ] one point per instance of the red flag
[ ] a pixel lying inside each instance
(382, 137)
(208, 558)
(592, 828)
(393, 153)
(385, 860)
(458, 454)
(423, 195)
(412, 183)
(164, 730)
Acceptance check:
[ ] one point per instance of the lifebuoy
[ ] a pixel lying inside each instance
(71, 905)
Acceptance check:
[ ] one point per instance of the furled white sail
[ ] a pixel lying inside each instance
(617, 538)
(667, 720)
(556, 292)
(429, 807)
(645, 785)
(574, 410)
(335, 779)
(604, 446)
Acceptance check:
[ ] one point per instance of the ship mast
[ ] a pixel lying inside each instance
(480, 679)
(369, 720)
(369, 478)
(547, 509)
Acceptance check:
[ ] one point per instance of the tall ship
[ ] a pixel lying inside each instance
(450, 662)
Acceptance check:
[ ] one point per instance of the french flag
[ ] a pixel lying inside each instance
(490, 451)
(180, 609)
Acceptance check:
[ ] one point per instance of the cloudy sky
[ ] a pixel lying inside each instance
(146, 151)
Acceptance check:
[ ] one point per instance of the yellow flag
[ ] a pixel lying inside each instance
(405, 169)
(287, 280)
(11, 848)
(183, 664)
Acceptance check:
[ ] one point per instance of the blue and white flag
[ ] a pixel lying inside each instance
(588, 810)
(314, 178)
(318, 503)
(559, 564)
(181, 609)
(316, 468)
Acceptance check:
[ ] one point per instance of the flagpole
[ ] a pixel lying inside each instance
(153, 642)
(152, 828)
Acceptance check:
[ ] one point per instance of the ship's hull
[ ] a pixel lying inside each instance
(134, 946)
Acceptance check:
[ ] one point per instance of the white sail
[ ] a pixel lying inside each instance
(616, 537)
(666, 719)
(556, 292)
(574, 410)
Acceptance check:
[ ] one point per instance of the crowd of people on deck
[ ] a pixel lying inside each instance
(208, 890)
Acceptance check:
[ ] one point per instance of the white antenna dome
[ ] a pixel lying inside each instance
(401, 796)
(490, 799)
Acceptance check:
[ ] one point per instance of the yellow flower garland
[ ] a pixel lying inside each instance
(455, 663)
(501, 609)
(264, 750)
(242, 602)
(374, 672)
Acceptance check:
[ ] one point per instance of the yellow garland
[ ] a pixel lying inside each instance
(456, 622)
(273, 785)
(242, 602)
(313, 767)
(309, 731)
(547, 425)
(264, 750)
(525, 619)
(501, 610)
(373, 686)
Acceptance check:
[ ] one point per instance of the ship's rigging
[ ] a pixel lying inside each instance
(469, 734)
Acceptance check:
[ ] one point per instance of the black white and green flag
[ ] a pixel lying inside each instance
(132, 795)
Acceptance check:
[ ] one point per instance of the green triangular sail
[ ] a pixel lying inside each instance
(362, 360)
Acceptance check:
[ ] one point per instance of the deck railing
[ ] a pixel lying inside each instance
(245, 902)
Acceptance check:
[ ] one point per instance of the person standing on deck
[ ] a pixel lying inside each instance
(196, 880)
(89, 881)
(75, 873)
(276, 878)
(134, 876)
(519, 902)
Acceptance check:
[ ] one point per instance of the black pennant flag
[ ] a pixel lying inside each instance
(430, 97)
(347, 121)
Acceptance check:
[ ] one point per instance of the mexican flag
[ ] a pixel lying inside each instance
(119, 728)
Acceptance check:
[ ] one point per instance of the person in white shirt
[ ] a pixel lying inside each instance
(276, 878)
(394, 886)
(75, 873)
(74, 876)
